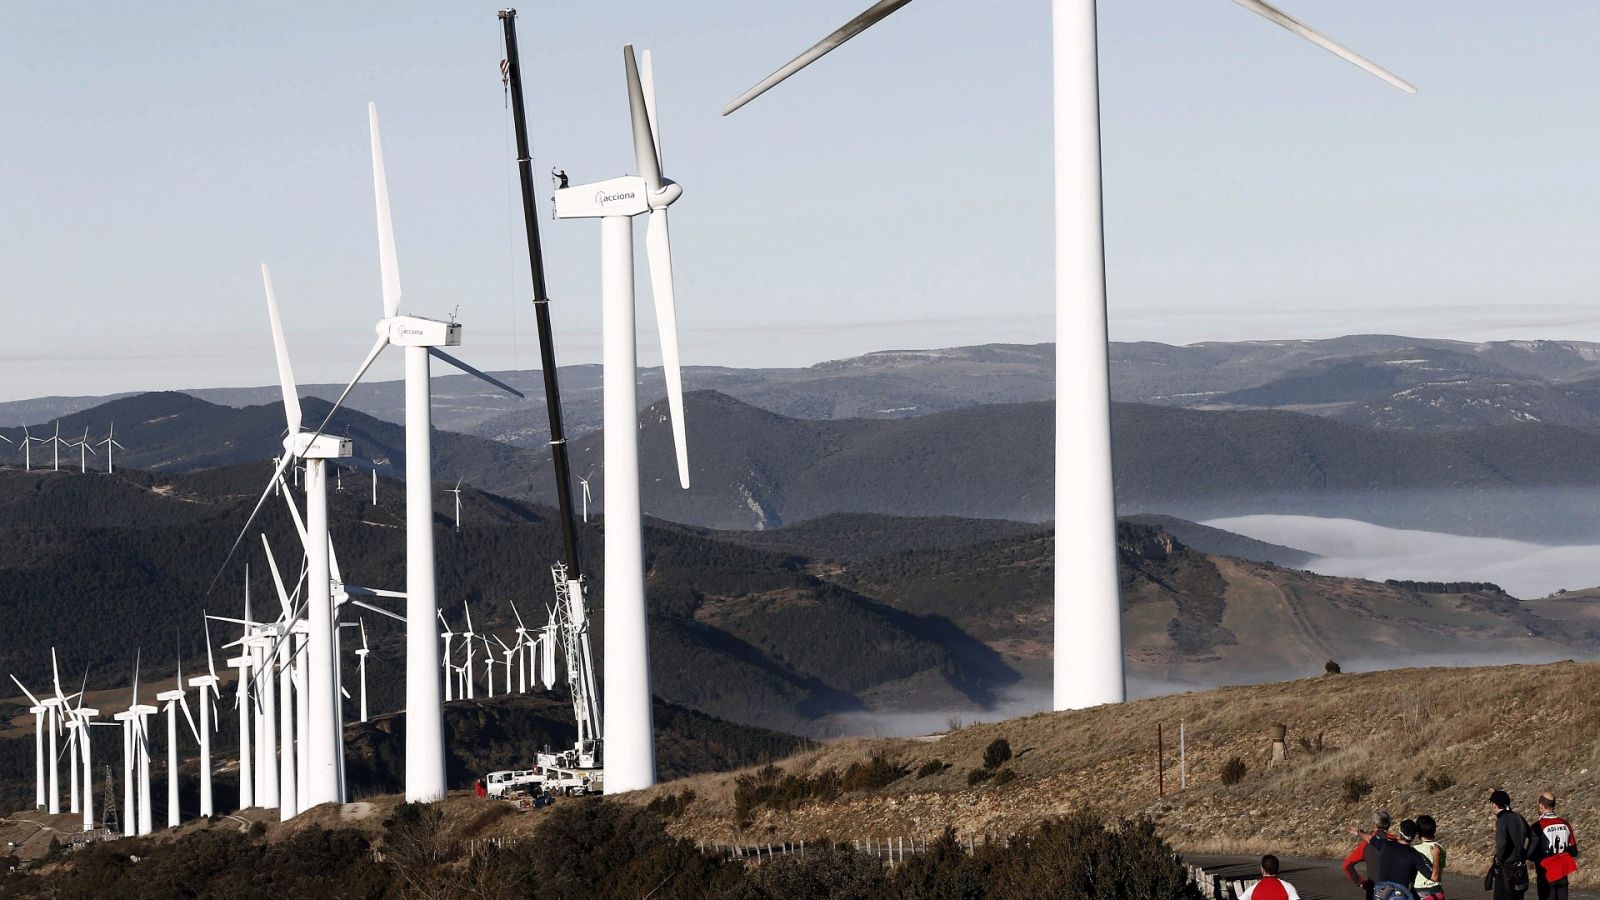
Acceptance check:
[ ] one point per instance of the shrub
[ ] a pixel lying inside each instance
(1005, 776)
(997, 753)
(1082, 855)
(1439, 782)
(671, 806)
(931, 767)
(1355, 788)
(770, 788)
(979, 776)
(1331, 667)
(1233, 770)
(877, 772)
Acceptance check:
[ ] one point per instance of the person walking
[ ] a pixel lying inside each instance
(1508, 873)
(1358, 856)
(1270, 887)
(1555, 850)
(1430, 886)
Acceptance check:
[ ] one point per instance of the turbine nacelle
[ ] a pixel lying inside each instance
(309, 445)
(416, 331)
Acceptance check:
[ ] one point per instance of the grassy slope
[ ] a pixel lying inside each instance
(1523, 728)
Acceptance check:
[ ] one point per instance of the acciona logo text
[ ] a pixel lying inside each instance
(601, 198)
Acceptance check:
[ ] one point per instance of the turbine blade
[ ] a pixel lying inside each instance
(291, 395)
(372, 355)
(1279, 17)
(189, 717)
(388, 262)
(377, 609)
(644, 145)
(283, 462)
(211, 662)
(363, 634)
(277, 579)
(647, 80)
(822, 48)
(440, 354)
(658, 245)
(294, 511)
(31, 697)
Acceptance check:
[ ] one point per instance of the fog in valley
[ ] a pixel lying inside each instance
(1363, 550)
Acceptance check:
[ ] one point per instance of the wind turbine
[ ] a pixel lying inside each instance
(28, 440)
(40, 712)
(1088, 616)
(584, 481)
(83, 723)
(629, 738)
(468, 635)
(109, 443)
(457, 491)
(361, 663)
(207, 684)
(509, 652)
(175, 699)
(84, 450)
(446, 635)
(56, 443)
(522, 651)
(488, 664)
(136, 761)
(421, 339)
(322, 741)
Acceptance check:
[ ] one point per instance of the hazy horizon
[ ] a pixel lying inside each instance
(897, 195)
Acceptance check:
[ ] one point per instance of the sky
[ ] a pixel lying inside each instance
(895, 195)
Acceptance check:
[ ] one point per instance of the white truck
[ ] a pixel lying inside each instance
(544, 778)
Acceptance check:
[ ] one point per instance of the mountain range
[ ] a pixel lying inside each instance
(755, 469)
(1385, 380)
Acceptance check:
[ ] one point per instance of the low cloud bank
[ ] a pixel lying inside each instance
(1349, 547)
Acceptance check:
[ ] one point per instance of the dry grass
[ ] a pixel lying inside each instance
(1523, 728)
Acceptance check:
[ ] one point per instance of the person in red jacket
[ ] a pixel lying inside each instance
(479, 789)
(1270, 887)
(1380, 825)
(1555, 849)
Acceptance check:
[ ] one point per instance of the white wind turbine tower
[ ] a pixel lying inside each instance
(207, 684)
(457, 491)
(1088, 617)
(522, 652)
(421, 339)
(361, 664)
(83, 723)
(136, 762)
(83, 450)
(53, 712)
(629, 736)
(322, 745)
(28, 440)
(446, 634)
(467, 637)
(510, 653)
(109, 443)
(40, 723)
(56, 443)
(488, 665)
(583, 480)
(175, 699)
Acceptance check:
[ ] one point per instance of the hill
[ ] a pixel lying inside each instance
(1355, 742)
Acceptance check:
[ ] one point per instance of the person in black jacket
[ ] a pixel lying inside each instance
(1508, 875)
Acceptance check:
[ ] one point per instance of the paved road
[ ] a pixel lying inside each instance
(1320, 879)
